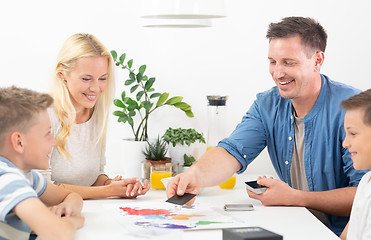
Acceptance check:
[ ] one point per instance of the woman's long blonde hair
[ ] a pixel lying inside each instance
(75, 47)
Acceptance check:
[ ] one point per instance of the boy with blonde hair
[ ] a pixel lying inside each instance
(25, 144)
(357, 125)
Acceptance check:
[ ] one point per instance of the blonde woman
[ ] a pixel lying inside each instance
(83, 90)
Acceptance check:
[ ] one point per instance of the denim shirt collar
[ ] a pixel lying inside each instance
(320, 100)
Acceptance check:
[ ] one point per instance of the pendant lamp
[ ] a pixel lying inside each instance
(181, 13)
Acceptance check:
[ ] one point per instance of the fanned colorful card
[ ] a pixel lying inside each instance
(152, 215)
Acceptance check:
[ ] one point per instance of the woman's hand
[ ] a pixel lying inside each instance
(128, 188)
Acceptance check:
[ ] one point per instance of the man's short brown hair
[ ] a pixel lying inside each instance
(312, 34)
(18, 107)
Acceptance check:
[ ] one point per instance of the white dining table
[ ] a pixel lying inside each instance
(293, 223)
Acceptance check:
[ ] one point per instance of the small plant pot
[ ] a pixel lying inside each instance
(185, 168)
(166, 160)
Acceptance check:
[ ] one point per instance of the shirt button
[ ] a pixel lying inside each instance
(291, 117)
(290, 138)
(287, 162)
(244, 156)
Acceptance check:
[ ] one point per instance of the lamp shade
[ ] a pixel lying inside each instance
(182, 9)
(177, 23)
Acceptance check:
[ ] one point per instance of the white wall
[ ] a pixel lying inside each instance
(229, 58)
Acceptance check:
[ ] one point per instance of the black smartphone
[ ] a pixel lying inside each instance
(253, 186)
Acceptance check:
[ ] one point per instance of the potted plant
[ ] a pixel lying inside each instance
(157, 165)
(155, 153)
(181, 141)
(144, 102)
(188, 161)
(182, 136)
(136, 104)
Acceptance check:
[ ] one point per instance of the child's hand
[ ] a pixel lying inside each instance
(77, 220)
(64, 210)
(71, 206)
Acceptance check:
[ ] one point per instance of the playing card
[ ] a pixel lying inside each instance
(181, 200)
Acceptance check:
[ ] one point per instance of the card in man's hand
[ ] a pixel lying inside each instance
(181, 200)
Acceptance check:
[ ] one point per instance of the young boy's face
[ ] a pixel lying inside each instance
(38, 142)
(358, 138)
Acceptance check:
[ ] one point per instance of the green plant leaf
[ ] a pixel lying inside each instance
(151, 90)
(130, 121)
(130, 63)
(139, 95)
(119, 114)
(114, 55)
(132, 113)
(149, 83)
(144, 78)
(154, 95)
(131, 107)
(147, 105)
(182, 105)
(122, 58)
(132, 104)
(162, 99)
(132, 76)
(123, 119)
(128, 82)
(174, 100)
(118, 103)
(142, 68)
(123, 95)
(117, 64)
(189, 113)
(133, 88)
(139, 77)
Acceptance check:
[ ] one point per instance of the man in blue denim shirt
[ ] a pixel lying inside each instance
(301, 123)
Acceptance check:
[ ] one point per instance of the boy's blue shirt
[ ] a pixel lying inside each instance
(269, 123)
(16, 187)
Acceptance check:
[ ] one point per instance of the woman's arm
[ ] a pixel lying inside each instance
(103, 180)
(126, 188)
(55, 195)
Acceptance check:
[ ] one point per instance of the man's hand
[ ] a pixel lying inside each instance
(182, 183)
(277, 193)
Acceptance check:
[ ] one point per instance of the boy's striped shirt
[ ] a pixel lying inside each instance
(16, 186)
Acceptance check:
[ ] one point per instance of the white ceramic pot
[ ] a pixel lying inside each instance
(177, 153)
(185, 168)
(131, 158)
